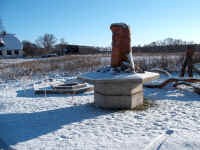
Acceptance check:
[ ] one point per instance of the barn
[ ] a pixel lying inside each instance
(10, 46)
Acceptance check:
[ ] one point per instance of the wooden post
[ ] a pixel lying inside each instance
(188, 61)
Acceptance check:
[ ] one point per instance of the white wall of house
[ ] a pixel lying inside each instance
(11, 53)
(12, 46)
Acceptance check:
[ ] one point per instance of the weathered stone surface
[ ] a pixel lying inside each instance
(118, 102)
(121, 45)
(118, 88)
(123, 91)
(119, 95)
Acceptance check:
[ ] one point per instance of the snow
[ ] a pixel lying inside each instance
(109, 76)
(158, 141)
(120, 24)
(73, 122)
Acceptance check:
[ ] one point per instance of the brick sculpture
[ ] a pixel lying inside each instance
(121, 46)
(118, 86)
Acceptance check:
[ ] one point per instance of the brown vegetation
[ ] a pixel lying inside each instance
(74, 64)
(69, 64)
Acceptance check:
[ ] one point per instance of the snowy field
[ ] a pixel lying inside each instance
(18, 60)
(73, 122)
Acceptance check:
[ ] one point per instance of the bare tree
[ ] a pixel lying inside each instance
(46, 41)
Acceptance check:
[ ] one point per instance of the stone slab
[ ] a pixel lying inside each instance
(64, 91)
(97, 77)
(70, 87)
(118, 88)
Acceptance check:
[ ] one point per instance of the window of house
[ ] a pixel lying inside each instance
(16, 52)
(9, 52)
(1, 53)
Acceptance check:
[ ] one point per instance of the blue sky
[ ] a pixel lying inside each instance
(87, 21)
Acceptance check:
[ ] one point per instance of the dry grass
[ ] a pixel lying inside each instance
(69, 64)
(171, 62)
(74, 64)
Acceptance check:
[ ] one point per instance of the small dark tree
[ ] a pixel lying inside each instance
(30, 49)
(188, 61)
(46, 41)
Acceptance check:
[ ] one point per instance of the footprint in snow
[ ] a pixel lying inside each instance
(63, 136)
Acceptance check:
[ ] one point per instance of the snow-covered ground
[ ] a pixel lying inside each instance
(73, 122)
(17, 60)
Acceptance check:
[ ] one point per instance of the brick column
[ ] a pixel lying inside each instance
(121, 44)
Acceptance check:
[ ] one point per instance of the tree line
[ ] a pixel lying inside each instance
(167, 45)
(44, 44)
(48, 43)
(168, 42)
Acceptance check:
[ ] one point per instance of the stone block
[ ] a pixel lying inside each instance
(119, 101)
(118, 88)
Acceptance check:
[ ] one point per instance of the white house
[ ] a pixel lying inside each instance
(10, 46)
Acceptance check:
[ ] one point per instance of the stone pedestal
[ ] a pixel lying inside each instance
(122, 91)
(119, 87)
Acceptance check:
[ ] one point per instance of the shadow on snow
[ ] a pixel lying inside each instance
(21, 127)
(170, 93)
